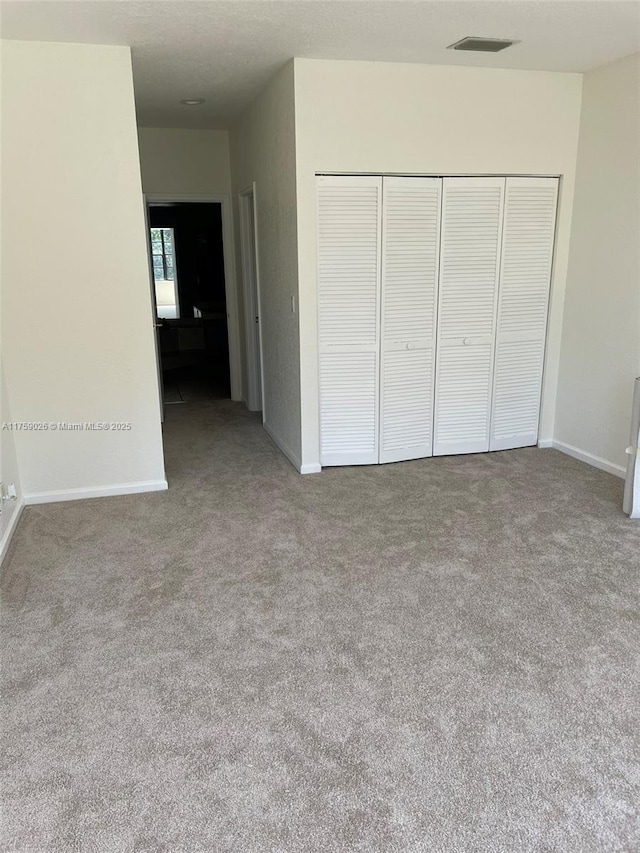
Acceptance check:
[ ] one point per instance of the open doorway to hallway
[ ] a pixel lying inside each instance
(187, 253)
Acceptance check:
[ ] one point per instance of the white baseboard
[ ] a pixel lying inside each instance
(96, 492)
(283, 447)
(291, 456)
(308, 468)
(11, 529)
(311, 468)
(584, 456)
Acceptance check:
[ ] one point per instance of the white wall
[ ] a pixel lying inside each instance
(78, 339)
(384, 117)
(177, 162)
(601, 333)
(263, 150)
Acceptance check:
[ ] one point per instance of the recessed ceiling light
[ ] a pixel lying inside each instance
(192, 102)
(482, 44)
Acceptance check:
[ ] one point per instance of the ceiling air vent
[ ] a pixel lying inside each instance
(485, 45)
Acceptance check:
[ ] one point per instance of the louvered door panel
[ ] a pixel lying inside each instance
(407, 391)
(525, 276)
(410, 245)
(348, 389)
(349, 224)
(516, 393)
(463, 394)
(472, 211)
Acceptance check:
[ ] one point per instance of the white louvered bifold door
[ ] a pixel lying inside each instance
(525, 277)
(469, 261)
(410, 246)
(349, 225)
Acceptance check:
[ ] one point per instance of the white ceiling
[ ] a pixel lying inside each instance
(226, 50)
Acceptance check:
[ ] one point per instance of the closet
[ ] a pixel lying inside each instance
(432, 304)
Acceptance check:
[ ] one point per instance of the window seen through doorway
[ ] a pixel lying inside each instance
(164, 273)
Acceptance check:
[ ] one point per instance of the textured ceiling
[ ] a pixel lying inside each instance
(226, 50)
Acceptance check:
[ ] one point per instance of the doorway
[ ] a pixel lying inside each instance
(190, 295)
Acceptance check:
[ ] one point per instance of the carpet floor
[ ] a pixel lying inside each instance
(441, 655)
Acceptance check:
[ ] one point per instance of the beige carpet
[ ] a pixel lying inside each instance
(440, 655)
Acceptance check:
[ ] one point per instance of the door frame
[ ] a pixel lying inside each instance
(154, 309)
(230, 281)
(250, 264)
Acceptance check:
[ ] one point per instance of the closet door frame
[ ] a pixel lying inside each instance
(375, 456)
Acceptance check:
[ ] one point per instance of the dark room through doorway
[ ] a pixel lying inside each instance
(187, 255)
